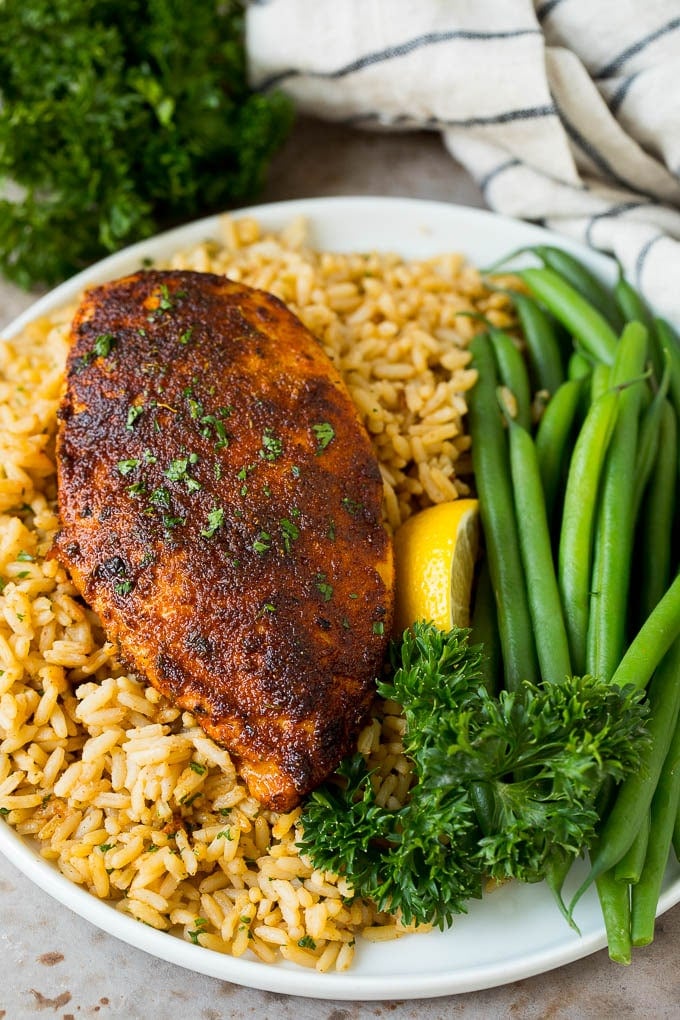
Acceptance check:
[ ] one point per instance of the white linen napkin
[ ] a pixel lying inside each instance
(566, 112)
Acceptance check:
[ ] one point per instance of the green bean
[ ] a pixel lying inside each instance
(576, 273)
(652, 641)
(553, 436)
(512, 370)
(608, 610)
(658, 515)
(634, 308)
(599, 380)
(676, 836)
(634, 795)
(664, 810)
(578, 366)
(615, 904)
(583, 280)
(575, 554)
(650, 429)
(557, 867)
(670, 343)
(581, 318)
(545, 607)
(490, 460)
(630, 302)
(543, 346)
(631, 864)
(484, 628)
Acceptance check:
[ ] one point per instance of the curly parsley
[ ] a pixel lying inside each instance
(156, 93)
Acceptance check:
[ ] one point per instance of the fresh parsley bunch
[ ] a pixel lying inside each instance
(118, 117)
(503, 785)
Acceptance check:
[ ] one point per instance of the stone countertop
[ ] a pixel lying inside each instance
(57, 965)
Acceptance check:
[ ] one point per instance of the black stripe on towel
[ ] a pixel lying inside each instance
(621, 92)
(642, 256)
(393, 52)
(611, 213)
(546, 9)
(614, 65)
(596, 157)
(509, 164)
(528, 113)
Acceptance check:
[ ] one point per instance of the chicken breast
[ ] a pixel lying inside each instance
(220, 509)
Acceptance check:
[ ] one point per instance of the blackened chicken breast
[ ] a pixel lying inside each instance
(220, 509)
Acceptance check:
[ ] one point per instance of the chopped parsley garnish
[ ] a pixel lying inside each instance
(123, 587)
(272, 447)
(196, 767)
(195, 407)
(262, 543)
(290, 532)
(165, 302)
(211, 421)
(136, 489)
(160, 497)
(190, 798)
(177, 471)
(149, 457)
(324, 587)
(24, 557)
(103, 345)
(134, 412)
(215, 521)
(352, 506)
(379, 627)
(200, 924)
(101, 348)
(171, 522)
(324, 433)
(126, 466)
(307, 942)
(186, 336)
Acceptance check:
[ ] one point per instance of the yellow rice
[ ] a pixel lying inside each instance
(123, 791)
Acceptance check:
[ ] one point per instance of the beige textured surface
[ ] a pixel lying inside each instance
(56, 965)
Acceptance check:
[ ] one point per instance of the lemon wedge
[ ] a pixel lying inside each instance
(435, 552)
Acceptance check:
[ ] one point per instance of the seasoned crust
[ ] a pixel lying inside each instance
(221, 510)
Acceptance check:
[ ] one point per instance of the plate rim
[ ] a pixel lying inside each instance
(281, 977)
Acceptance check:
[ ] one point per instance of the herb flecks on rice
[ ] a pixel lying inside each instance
(124, 792)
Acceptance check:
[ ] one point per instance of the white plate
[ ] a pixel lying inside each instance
(513, 933)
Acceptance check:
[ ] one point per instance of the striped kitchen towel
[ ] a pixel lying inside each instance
(566, 112)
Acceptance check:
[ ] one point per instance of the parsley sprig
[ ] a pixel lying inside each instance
(502, 784)
(157, 93)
